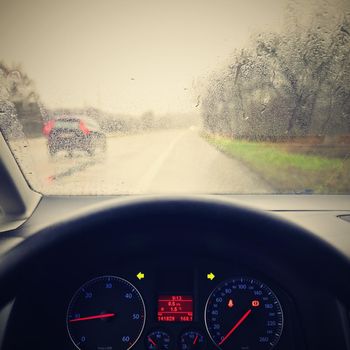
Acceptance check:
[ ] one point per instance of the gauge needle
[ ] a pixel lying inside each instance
(152, 342)
(92, 317)
(235, 327)
(195, 340)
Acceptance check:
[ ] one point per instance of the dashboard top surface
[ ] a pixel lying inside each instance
(317, 213)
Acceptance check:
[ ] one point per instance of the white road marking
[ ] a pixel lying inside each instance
(148, 177)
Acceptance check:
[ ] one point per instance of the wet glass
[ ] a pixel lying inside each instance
(132, 97)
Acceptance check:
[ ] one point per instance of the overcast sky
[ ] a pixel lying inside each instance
(125, 55)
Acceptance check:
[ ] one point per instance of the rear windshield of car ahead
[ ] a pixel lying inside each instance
(66, 124)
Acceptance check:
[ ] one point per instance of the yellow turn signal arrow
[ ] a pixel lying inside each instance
(140, 276)
(210, 276)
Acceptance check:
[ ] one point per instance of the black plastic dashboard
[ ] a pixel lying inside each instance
(175, 255)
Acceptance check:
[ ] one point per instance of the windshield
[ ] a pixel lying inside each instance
(158, 96)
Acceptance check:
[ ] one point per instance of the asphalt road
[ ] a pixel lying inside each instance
(172, 161)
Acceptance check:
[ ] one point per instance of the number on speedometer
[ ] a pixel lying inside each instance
(243, 313)
(106, 313)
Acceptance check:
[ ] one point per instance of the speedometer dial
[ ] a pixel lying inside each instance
(244, 314)
(106, 313)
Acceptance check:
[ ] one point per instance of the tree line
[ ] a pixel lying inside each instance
(293, 83)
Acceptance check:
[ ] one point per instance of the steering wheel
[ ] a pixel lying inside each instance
(205, 225)
(207, 228)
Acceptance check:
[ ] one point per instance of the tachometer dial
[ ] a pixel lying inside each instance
(244, 313)
(106, 313)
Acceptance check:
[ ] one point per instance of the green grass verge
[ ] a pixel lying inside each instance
(286, 171)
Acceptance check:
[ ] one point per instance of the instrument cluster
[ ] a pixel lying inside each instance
(178, 308)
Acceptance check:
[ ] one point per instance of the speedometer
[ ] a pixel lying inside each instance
(243, 313)
(106, 313)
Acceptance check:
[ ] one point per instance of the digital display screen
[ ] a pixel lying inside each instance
(175, 308)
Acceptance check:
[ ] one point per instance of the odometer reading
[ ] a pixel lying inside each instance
(244, 314)
(175, 308)
(106, 313)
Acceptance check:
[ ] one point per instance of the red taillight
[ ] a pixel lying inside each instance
(48, 126)
(83, 128)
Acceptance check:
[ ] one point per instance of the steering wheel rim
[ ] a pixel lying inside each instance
(146, 219)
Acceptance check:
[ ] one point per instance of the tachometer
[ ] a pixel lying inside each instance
(244, 314)
(106, 313)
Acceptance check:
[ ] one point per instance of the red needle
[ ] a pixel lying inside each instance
(235, 326)
(92, 317)
(195, 340)
(152, 342)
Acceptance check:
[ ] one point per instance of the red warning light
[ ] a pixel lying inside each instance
(230, 303)
(255, 303)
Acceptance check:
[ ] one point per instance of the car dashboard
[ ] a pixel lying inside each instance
(164, 287)
(177, 286)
